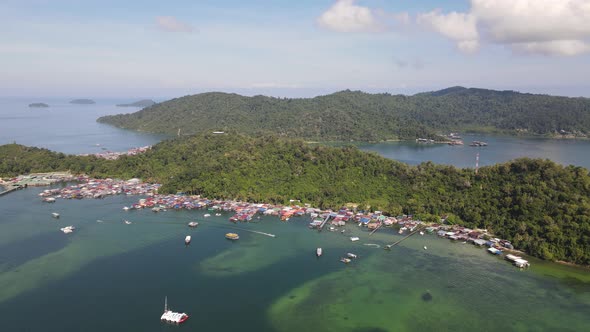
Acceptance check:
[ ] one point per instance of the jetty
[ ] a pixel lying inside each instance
(9, 188)
(388, 247)
(376, 228)
(324, 222)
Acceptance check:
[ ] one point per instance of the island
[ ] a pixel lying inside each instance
(82, 101)
(140, 103)
(39, 105)
(359, 116)
(539, 206)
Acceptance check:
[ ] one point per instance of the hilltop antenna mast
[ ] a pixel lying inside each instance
(476, 163)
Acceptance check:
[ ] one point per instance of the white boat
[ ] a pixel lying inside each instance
(345, 260)
(421, 233)
(193, 224)
(219, 215)
(351, 255)
(206, 215)
(170, 316)
(126, 208)
(68, 229)
(354, 238)
(49, 199)
(127, 222)
(187, 239)
(318, 252)
(425, 248)
(55, 215)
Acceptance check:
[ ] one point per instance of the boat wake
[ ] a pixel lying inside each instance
(373, 245)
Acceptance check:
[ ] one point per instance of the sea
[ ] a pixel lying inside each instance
(109, 275)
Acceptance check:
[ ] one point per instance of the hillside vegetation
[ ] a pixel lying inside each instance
(354, 115)
(542, 207)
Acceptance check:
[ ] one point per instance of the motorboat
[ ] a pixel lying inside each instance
(187, 240)
(351, 255)
(232, 236)
(318, 252)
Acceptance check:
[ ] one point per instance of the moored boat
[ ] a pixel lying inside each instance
(318, 252)
(193, 224)
(55, 215)
(68, 229)
(170, 316)
(345, 260)
(354, 238)
(206, 215)
(49, 199)
(187, 239)
(127, 222)
(232, 236)
(351, 255)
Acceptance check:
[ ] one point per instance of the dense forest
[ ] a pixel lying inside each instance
(354, 115)
(542, 207)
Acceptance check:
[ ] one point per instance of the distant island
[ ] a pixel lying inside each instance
(82, 101)
(140, 103)
(359, 116)
(41, 105)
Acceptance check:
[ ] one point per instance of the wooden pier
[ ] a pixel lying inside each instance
(10, 188)
(324, 223)
(388, 247)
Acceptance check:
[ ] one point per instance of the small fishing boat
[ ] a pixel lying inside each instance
(55, 215)
(206, 215)
(218, 214)
(421, 233)
(345, 260)
(68, 229)
(354, 238)
(125, 208)
(318, 252)
(127, 222)
(193, 224)
(351, 255)
(49, 199)
(425, 248)
(232, 236)
(187, 240)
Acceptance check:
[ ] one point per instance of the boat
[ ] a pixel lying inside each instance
(127, 222)
(55, 215)
(478, 143)
(206, 215)
(68, 229)
(494, 251)
(354, 238)
(193, 224)
(218, 214)
(126, 208)
(318, 252)
(351, 255)
(425, 248)
(345, 260)
(421, 233)
(49, 199)
(232, 236)
(187, 240)
(170, 316)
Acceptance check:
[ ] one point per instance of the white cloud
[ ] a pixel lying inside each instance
(459, 27)
(345, 16)
(171, 24)
(549, 27)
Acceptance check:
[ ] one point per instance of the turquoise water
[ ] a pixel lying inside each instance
(112, 276)
(66, 127)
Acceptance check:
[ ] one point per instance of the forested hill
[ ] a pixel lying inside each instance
(542, 207)
(354, 115)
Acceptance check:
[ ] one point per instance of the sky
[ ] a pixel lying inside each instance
(163, 49)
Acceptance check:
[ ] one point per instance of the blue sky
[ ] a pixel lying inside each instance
(291, 48)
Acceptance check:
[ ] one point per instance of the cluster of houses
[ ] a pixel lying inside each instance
(100, 188)
(479, 238)
(109, 155)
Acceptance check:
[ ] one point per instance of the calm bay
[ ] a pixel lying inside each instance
(112, 276)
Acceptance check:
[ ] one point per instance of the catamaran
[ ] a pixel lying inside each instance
(170, 316)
